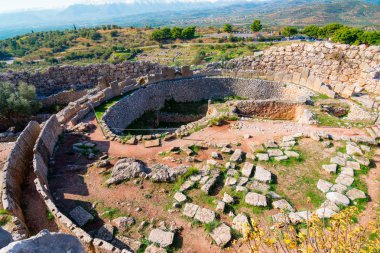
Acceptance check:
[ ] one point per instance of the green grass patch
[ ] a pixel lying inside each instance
(209, 227)
(101, 109)
(111, 213)
(49, 215)
(319, 97)
(190, 172)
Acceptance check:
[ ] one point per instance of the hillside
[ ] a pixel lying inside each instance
(142, 13)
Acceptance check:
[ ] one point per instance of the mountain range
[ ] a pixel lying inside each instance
(364, 13)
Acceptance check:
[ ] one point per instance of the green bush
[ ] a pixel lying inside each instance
(17, 101)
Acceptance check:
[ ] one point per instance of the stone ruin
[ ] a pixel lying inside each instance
(292, 73)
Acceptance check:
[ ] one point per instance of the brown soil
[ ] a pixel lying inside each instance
(372, 180)
(34, 209)
(86, 186)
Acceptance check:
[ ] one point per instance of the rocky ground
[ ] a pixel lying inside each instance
(192, 193)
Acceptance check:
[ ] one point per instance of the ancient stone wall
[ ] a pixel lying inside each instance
(59, 78)
(63, 98)
(153, 97)
(345, 68)
(15, 171)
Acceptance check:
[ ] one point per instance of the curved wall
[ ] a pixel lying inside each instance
(15, 171)
(153, 97)
(343, 67)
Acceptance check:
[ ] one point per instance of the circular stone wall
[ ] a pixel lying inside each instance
(153, 96)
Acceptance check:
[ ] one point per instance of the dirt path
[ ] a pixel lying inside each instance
(372, 210)
(34, 209)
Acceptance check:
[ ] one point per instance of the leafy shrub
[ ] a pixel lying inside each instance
(17, 101)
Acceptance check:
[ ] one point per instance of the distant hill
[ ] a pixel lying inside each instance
(155, 13)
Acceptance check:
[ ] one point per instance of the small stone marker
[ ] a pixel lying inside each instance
(247, 169)
(344, 180)
(190, 210)
(355, 194)
(262, 175)
(283, 205)
(152, 143)
(255, 199)
(80, 216)
(221, 235)
(330, 168)
(180, 197)
(163, 238)
(338, 198)
(323, 185)
(204, 215)
(236, 156)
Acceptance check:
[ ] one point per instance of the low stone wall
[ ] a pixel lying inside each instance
(15, 171)
(59, 78)
(153, 97)
(343, 67)
(63, 98)
(269, 109)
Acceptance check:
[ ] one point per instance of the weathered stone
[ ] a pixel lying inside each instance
(204, 215)
(257, 186)
(221, 235)
(180, 197)
(46, 242)
(292, 154)
(125, 169)
(236, 156)
(274, 152)
(220, 206)
(105, 232)
(81, 216)
(228, 198)
(190, 210)
(323, 185)
(209, 184)
(347, 171)
(338, 160)
(274, 195)
(355, 194)
(281, 158)
(353, 150)
(338, 198)
(283, 205)
(338, 188)
(163, 238)
(262, 156)
(353, 165)
(230, 181)
(262, 175)
(255, 199)
(239, 222)
(344, 180)
(271, 144)
(247, 169)
(330, 168)
(152, 143)
(186, 185)
(123, 222)
(330, 205)
(324, 213)
(362, 160)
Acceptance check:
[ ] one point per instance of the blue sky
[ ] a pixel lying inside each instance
(17, 5)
